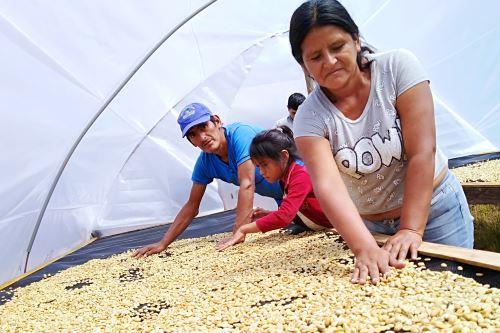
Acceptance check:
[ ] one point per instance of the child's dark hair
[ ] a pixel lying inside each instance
(271, 142)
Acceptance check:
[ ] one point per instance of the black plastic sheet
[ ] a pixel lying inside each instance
(466, 160)
(106, 247)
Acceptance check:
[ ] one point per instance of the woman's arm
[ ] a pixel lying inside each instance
(416, 111)
(341, 211)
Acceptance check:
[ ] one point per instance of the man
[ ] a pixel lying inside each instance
(294, 101)
(225, 156)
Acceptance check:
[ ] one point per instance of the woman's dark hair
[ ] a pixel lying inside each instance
(317, 13)
(271, 142)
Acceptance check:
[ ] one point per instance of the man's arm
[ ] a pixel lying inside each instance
(181, 222)
(244, 207)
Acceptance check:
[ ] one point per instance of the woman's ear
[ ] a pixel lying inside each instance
(306, 72)
(357, 43)
(310, 82)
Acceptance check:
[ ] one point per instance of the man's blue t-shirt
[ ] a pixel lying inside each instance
(209, 166)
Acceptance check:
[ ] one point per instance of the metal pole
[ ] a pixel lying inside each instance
(92, 121)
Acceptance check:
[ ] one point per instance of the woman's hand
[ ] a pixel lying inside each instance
(149, 250)
(370, 263)
(258, 213)
(238, 237)
(403, 241)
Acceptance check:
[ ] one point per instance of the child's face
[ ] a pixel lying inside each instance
(270, 169)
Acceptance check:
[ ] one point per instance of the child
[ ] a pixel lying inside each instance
(275, 154)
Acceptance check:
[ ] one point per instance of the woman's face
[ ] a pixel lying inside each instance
(329, 55)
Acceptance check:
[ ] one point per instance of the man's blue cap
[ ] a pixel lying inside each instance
(193, 114)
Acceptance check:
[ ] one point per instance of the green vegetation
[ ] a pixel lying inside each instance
(486, 217)
(486, 227)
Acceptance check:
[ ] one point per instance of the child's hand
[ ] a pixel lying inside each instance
(371, 263)
(258, 213)
(238, 237)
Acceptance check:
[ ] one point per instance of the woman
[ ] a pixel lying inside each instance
(368, 131)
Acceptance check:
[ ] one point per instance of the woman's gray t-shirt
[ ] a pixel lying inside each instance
(369, 151)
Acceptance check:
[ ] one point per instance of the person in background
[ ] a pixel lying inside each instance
(368, 131)
(294, 101)
(275, 154)
(225, 156)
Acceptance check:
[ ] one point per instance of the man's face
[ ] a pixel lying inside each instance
(292, 112)
(206, 136)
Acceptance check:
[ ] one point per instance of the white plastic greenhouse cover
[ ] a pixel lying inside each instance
(65, 67)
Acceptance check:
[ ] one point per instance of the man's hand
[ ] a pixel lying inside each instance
(238, 237)
(403, 241)
(149, 250)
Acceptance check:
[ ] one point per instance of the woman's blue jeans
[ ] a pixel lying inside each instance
(450, 221)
